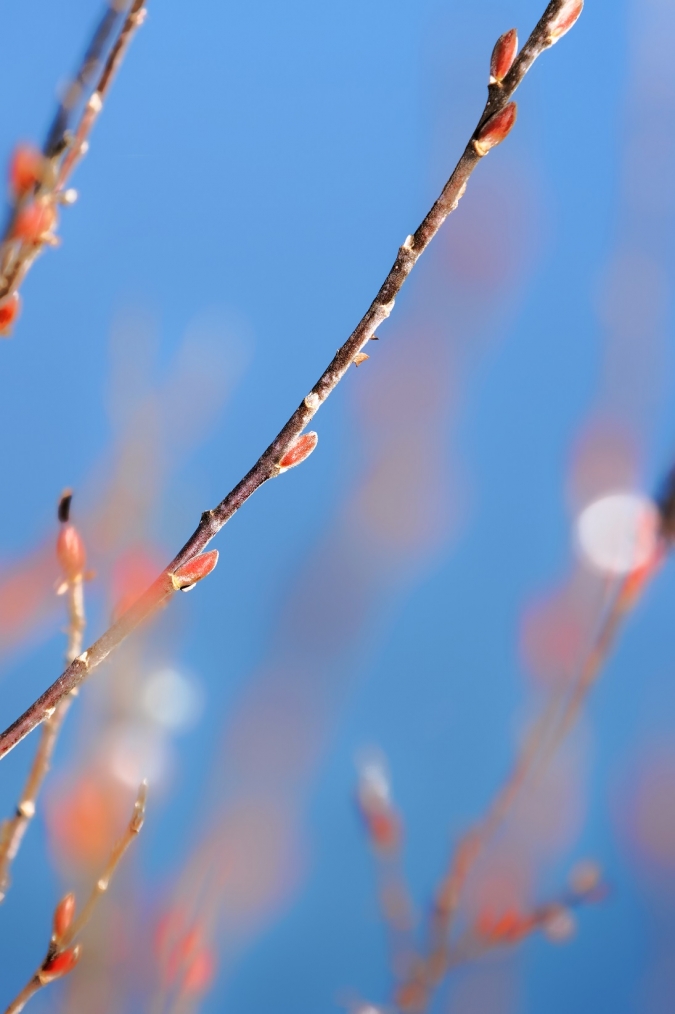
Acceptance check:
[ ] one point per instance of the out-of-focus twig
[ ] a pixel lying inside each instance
(39, 180)
(543, 741)
(72, 557)
(62, 953)
(494, 124)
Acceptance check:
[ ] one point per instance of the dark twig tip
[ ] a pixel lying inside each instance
(64, 506)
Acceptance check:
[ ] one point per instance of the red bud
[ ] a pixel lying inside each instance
(63, 915)
(187, 576)
(71, 552)
(9, 311)
(503, 56)
(565, 19)
(61, 964)
(34, 221)
(199, 972)
(385, 829)
(26, 169)
(495, 129)
(299, 451)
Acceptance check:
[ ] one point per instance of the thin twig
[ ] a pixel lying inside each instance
(268, 465)
(61, 955)
(64, 148)
(15, 828)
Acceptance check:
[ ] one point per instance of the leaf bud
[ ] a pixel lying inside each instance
(495, 129)
(27, 168)
(299, 451)
(186, 577)
(70, 552)
(9, 311)
(60, 965)
(565, 19)
(63, 916)
(503, 55)
(35, 221)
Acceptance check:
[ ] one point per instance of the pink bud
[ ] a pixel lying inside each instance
(63, 915)
(495, 129)
(35, 221)
(71, 552)
(503, 56)
(26, 169)
(60, 965)
(565, 19)
(299, 451)
(9, 311)
(187, 576)
(199, 972)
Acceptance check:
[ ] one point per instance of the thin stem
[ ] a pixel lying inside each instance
(62, 150)
(15, 828)
(267, 465)
(61, 946)
(28, 991)
(103, 883)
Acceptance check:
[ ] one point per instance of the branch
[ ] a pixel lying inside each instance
(38, 180)
(62, 956)
(70, 550)
(493, 126)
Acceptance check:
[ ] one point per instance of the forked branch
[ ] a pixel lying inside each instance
(72, 557)
(493, 126)
(63, 953)
(38, 180)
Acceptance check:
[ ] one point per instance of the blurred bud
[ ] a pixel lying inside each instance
(585, 877)
(566, 18)
(9, 311)
(299, 451)
(495, 129)
(359, 358)
(374, 801)
(187, 576)
(506, 928)
(35, 221)
(60, 965)
(27, 168)
(503, 55)
(199, 972)
(559, 926)
(63, 916)
(411, 998)
(71, 552)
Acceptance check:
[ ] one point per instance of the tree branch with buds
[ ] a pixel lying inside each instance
(63, 953)
(71, 554)
(290, 446)
(38, 179)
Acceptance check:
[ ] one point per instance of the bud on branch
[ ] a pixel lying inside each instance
(28, 168)
(566, 19)
(63, 916)
(60, 965)
(495, 129)
(299, 451)
(69, 545)
(9, 311)
(187, 576)
(503, 55)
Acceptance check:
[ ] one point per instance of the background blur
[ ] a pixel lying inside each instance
(414, 587)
